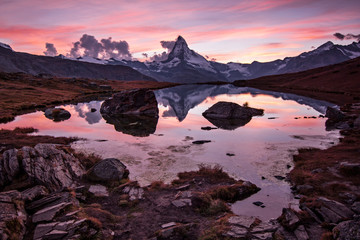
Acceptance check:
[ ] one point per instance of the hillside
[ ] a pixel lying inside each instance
(11, 61)
(339, 83)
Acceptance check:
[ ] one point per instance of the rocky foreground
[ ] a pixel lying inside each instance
(50, 192)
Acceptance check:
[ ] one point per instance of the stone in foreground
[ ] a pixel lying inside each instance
(109, 169)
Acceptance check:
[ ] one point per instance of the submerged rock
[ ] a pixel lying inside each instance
(228, 115)
(57, 114)
(135, 102)
(109, 169)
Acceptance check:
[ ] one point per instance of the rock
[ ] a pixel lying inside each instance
(246, 189)
(107, 170)
(230, 154)
(183, 187)
(333, 211)
(51, 200)
(289, 219)
(48, 213)
(208, 128)
(258, 203)
(99, 190)
(42, 229)
(228, 115)
(55, 234)
(264, 236)
(301, 233)
(356, 207)
(303, 189)
(348, 230)
(135, 193)
(241, 220)
(105, 87)
(199, 142)
(136, 102)
(279, 177)
(9, 166)
(64, 230)
(175, 232)
(237, 232)
(334, 115)
(282, 233)
(181, 203)
(357, 122)
(135, 125)
(57, 114)
(51, 167)
(335, 119)
(349, 168)
(167, 225)
(270, 226)
(12, 215)
(31, 194)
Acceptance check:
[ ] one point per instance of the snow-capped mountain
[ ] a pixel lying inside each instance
(5, 46)
(184, 65)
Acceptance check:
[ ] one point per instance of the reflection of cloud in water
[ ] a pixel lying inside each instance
(181, 99)
(84, 111)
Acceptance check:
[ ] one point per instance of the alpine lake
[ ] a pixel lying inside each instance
(259, 151)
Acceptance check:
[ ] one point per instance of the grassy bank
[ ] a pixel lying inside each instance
(22, 93)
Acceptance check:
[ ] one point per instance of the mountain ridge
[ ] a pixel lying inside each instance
(185, 65)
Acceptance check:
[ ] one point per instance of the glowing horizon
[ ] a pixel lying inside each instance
(229, 31)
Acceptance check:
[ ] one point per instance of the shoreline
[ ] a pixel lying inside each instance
(313, 177)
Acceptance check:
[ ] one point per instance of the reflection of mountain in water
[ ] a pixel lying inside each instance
(181, 99)
(84, 111)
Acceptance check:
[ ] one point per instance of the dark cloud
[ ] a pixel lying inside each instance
(347, 36)
(116, 49)
(107, 48)
(159, 57)
(168, 45)
(50, 50)
(145, 55)
(75, 50)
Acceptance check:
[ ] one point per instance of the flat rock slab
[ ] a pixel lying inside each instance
(167, 225)
(47, 214)
(241, 220)
(99, 190)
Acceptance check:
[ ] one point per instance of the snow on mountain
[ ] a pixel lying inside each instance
(5, 46)
(182, 51)
(92, 60)
(184, 65)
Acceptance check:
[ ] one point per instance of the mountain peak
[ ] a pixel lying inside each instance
(5, 46)
(326, 46)
(180, 49)
(180, 39)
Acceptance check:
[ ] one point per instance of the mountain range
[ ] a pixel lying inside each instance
(183, 65)
(11, 61)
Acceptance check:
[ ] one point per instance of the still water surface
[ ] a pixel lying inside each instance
(260, 150)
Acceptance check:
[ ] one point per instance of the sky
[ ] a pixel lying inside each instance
(227, 30)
